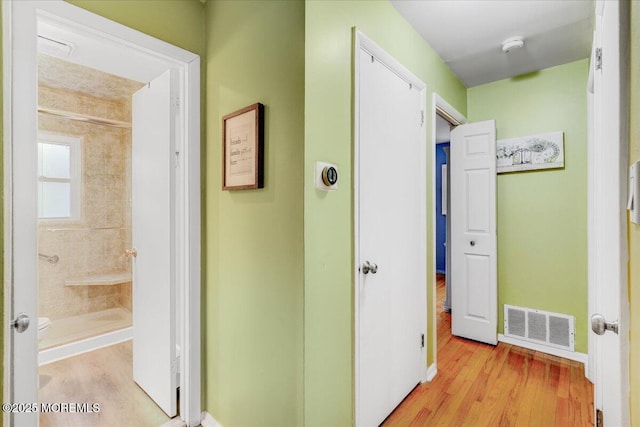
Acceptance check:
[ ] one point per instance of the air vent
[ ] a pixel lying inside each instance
(541, 327)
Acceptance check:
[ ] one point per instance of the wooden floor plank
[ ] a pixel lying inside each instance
(105, 377)
(481, 385)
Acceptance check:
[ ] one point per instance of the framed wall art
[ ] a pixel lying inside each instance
(243, 149)
(542, 151)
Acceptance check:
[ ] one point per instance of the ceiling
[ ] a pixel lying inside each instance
(60, 74)
(468, 34)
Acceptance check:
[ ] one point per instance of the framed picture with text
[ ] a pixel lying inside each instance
(243, 149)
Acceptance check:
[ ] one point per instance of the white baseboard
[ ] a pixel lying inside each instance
(571, 355)
(432, 370)
(209, 421)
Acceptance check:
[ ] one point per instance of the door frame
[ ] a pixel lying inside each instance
(188, 198)
(361, 41)
(453, 116)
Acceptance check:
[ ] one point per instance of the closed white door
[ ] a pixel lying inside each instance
(153, 222)
(473, 232)
(608, 232)
(391, 240)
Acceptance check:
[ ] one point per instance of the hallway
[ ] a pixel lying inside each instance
(482, 385)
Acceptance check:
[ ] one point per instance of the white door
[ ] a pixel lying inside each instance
(22, 271)
(473, 232)
(607, 228)
(153, 222)
(391, 233)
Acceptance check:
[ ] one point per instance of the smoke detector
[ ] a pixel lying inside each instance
(512, 43)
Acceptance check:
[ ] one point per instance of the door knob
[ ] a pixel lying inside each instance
(131, 252)
(599, 325)
(369, 267)
(21, 323)
(472, 243)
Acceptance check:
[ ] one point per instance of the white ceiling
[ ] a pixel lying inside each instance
(468, 34)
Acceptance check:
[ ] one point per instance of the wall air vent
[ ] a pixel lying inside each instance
(540, 327)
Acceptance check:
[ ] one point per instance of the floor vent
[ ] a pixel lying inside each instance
(541, 327)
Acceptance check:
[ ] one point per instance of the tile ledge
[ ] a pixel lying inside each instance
(99, 280)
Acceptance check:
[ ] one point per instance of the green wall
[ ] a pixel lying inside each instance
(179, 22)
(328, 217)
(542, 215)
(254, 287)
(634, 229)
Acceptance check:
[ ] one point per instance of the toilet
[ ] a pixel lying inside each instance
(43, 326)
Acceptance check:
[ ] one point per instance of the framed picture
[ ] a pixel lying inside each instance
(542, 151)
(243, 149)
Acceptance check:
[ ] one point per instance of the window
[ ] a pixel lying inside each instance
(58, 177)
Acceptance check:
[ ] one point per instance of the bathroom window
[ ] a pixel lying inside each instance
(58, 177)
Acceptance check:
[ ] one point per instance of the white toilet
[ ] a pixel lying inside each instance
(43, 326)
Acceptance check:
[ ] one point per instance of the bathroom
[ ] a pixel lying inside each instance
(84, 202)
(85, 297)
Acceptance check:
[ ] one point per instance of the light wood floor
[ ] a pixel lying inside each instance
(103, 376)
(481, 385)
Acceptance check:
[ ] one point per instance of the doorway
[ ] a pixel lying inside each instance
(390, 232)
(445, 118)
(113, 49)
(443, 231)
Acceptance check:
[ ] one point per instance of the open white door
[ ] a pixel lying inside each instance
(153, 224)
(473, 232)
(391, 237)
(608, 153)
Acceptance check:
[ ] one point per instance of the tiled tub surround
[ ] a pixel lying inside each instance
(94, 245)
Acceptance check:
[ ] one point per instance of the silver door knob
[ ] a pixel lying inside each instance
(369, 267)
(21, 323)
(599, 325)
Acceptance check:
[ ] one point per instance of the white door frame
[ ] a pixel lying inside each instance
(20, 125)
(608, 158)
(453, 116)
(362, 41)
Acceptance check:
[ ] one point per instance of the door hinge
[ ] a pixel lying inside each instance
(599, 58)
(599, 418)
(422, 341)
(421, 117)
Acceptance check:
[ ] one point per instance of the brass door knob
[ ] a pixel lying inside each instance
(131, 252)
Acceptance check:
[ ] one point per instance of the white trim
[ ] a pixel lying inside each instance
(188, 63)
(387, 60)
(449, 113)
(571, 355)
(83, 346)
(360, 41)
(7, 87)
(432, 370)
(209, 421)
(438, 104)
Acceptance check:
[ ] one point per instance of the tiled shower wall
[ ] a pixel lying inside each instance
(95, 244)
